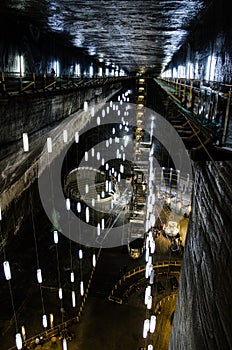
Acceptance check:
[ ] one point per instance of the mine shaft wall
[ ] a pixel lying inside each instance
(204, 308)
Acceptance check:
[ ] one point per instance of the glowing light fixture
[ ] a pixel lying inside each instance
(152, 324)
(94, 260)
(87, 214)
(85, 106)
(80, 254)
(44, 321)
(68, 204)
(73, 298)
(7, 271)
(78, 207)
(76, 136)
(65, 136)
(49, 144)
(72, 276)
(86, 188)
(39, 276)
(146, 328)
(18, 341)
(23, 331)
(82, 288)
(149, 302)
(65, 344)
(86, 156)
(60, 293)
(55, 237)
(25, 142)
(51, 320)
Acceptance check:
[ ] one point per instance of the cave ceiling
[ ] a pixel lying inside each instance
(139, 36)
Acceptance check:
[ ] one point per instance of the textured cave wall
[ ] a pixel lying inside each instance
(207, 52)
(32, 113)
(203, 313)
(27, 34)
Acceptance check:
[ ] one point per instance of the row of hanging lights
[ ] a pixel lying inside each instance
(120, 154)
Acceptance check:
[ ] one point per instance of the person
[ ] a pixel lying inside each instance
(53, 73)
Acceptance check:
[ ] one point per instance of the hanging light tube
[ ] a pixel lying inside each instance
(23, 331)
(44, 321)
(86, 156)
(7, 271)
(72, 276)
(77, 137)
(25, 142)
(152, 324)
(87, 214)
(51, 320)
(98, 229)
(73, 298)
(145, 328)
(80, 254)
(94, 260)
(55, 236)
(39, 276)
(65, 136)
(85, 106)
(18, 341)
(49, 144)
(65, 344)
(82, 288)
(78, 207)
(103, 223)
(60, 293)
(68, 204)
(149, 302)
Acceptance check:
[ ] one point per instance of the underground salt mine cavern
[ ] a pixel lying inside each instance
(115, 195)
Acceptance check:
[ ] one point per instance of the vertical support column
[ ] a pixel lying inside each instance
(191, 94)
(3, 84)
(226, 122)
(33, 79)
(184, 92)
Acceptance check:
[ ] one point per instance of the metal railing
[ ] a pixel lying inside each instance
(208, 101)
(136, 271)
(12, 83)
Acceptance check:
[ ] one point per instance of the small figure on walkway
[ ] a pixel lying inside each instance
(53, 73)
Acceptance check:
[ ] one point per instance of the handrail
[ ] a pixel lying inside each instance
(12, 83)
(208, 102)
(140, 269)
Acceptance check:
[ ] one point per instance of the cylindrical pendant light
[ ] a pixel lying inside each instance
(73, 298)
(25, 142)
(7, 270)
(39, 276)
(87, 214)
(68, 204)
(18, 341)
(60, 293)
(49, 144)
(72, 276)
(55, 236)
(94, 260)
(80, 254)
(44, 321)
(82, 288)
(65, 136)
